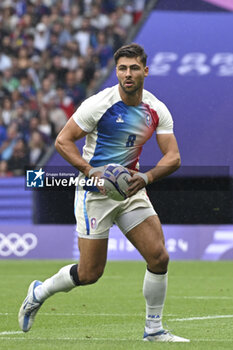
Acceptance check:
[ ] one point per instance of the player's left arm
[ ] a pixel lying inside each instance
(169, 163)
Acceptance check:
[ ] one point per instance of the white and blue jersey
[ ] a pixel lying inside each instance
(116, 131)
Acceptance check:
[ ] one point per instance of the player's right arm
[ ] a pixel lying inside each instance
(65, 145)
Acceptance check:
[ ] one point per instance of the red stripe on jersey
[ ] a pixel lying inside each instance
(154, 115)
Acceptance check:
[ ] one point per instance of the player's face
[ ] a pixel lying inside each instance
(131, 73)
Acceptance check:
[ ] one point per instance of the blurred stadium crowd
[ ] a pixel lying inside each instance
(52, 54)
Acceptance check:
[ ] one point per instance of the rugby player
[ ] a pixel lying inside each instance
(116, 123)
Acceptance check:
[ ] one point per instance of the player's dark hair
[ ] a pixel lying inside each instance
(131, 50)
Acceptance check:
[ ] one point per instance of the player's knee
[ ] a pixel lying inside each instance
(159, 260)
(163, 260)
(90, 276)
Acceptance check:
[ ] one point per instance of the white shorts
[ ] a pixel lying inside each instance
(95, 213)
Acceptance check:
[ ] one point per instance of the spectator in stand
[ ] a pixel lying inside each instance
(18, 38)
(87, 7)
(4, 172)
(47, 90)
(98, 20)
(46, 19)
(66, 32)
(16, 97)
(54, 47)
(41, 39)
(104, 52)
(26, 87)
(108, 6)
(47, 62)
(33, 126)
(39, 99)
(84, 36)
(23, 60)
(3, 131)
(65, 102)
(22, 115)
(69, 60)
(7, 111)
(76, 17)
(9, 81)
(45, 126)
(7, 44)
(56, 13)
(115, 32)
(37, 148)
(3, 91)
(7, 146)
(57, 114)
(30, 45)
(74, 89)
(58, 69)
(40, 9)
(9, 17)
(138, 7)
(124, 17)
(5, 62)
(90, 65)
(52, 78)
(19, 159)
(24, 25)
(36, 71)
(21, 8)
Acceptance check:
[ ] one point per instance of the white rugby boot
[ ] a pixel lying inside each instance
(164, 336)
(29, 308)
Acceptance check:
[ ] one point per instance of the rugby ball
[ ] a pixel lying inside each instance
(116, 183)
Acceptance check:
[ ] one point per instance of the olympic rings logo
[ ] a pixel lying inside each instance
(15, 244)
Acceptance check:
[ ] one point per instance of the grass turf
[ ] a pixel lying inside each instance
(110, 314)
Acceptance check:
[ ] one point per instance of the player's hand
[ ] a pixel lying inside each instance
(137, 182)
(96, 173)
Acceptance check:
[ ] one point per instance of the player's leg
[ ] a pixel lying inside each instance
(148, 238)
(94, 218)
(93, 255)
(142, 227)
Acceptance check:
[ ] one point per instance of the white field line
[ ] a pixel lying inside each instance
(123, 315)
(11, 332)
(85, 314)
(105, 339)
(68, 338)
(214, 317)
(81, 314)
(201, 297)
(195, 318)
(212, 340)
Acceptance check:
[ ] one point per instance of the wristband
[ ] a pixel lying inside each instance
(94, 170)
(143, 176)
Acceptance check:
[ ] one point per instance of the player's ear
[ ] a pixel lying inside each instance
(146, 71)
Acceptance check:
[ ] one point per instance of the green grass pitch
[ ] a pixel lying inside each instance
(110, 314)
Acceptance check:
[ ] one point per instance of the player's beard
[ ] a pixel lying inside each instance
(134, 88)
